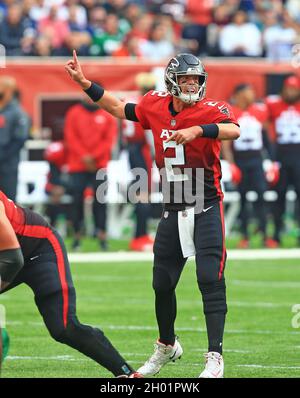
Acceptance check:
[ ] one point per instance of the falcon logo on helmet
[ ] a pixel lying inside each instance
(185, 65)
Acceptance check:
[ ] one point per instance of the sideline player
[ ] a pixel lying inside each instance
(186, 124)
(247, 154)
(35, 254)
(284, 114)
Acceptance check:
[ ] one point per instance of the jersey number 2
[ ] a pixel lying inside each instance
(178, 160)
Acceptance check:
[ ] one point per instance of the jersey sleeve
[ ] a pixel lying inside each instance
(141, 111)
(222, 113)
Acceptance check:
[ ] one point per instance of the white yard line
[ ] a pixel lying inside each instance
(68, 358)
(154, 328)
(255, 254)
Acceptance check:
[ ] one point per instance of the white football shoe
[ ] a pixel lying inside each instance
(214, 368)
(161, 356)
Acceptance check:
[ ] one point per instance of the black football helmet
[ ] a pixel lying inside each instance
(185, 64)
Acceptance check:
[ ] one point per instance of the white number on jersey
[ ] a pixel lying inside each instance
(288, 127)
(178, 160)
(251, 134)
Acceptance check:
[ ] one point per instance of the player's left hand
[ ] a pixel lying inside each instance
(185, 135)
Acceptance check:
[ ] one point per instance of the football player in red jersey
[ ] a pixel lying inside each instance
(247, 154)
(11, 262)
(187, 130)
(32, 252)
(284, 114)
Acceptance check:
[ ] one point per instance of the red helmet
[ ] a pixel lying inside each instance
(55, 153)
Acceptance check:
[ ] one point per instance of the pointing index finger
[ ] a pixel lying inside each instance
(172, 137)
(75, 57)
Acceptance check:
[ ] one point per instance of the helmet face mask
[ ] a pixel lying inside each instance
(185, 65)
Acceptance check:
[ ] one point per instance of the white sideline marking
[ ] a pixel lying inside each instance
(154, 328)
(268, 366)
(54, 358)
(68, 358)
(264, 284)
(236, 282)
(255, 254)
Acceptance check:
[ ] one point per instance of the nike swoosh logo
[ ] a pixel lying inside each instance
(173, 354)
(32, 258)
(205, 210)
(216, 374)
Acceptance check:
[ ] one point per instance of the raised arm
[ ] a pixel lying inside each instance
(103, 98)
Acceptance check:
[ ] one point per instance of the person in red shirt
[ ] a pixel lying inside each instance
(198, 15)
(11, 262)
(89, 135)
(284, 114)
(139, 151)
(187, 129)
(32, 252)
(246, 154)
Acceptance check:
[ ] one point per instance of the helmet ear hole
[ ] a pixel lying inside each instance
(201, 80)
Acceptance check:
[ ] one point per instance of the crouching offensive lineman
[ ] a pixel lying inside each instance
(32, 252)
(187, 129)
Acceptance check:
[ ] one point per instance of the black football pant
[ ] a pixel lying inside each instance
(48, 274)
(289, 177)
(210, 264)
(253, 179)
(79, 182)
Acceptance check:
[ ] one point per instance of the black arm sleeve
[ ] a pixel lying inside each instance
(11, 262)
(229, 121)
(130, 112)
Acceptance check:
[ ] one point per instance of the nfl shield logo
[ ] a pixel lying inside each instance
(173, 122)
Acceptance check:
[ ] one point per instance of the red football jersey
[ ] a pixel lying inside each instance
(285, 120)
(28, 226)
(251, 121)
(153, 113)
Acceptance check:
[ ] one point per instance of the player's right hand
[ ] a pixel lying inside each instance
(74, 70)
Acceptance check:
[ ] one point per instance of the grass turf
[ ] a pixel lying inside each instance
(259, 338)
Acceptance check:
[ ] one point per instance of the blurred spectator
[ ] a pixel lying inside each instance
(96, 21)
(246, 154)
(279, 36)
(38, 11)
(157, 47)
(79, 37)
(142, 27)
(79, 14)
(132, 13)
(41, 47)
(118, 7)
(293, 8)
(129, 48)
(221, 17)
(89, 136)
(198, 16)
(284, 113)
(14, 130)
(234, 39)
(55, 29)
(110, 40)
(12, 30)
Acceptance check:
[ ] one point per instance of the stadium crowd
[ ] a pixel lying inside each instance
(154, 29)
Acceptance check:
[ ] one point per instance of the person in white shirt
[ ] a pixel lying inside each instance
(240, 38)
(278, 38)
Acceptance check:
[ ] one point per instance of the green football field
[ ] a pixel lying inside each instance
(259, 338)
